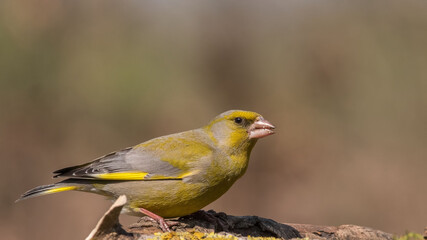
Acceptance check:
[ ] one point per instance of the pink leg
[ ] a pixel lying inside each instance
(163, 225)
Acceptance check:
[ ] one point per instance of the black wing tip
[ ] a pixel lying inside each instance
(66, 172)
(80, 171)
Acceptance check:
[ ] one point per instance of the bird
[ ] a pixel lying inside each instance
(173, 175)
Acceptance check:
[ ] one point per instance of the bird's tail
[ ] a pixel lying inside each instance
(48, 189)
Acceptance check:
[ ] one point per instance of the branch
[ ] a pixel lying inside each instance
(203, 224)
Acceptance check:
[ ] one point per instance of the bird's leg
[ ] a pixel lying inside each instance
(163, 225)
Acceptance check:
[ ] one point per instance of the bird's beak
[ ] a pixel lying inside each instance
(260, 128)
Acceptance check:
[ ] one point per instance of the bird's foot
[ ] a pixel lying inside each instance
(165, 226)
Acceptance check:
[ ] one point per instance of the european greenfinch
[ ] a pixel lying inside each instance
(173, 175)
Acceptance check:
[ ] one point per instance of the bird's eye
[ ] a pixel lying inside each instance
(238, 120)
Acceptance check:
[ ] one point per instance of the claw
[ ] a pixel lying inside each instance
(161, 221)
(163, 225)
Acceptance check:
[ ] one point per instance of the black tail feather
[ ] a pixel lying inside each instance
(48, 189)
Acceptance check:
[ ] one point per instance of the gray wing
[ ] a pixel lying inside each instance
(127, 164)
(169, 157)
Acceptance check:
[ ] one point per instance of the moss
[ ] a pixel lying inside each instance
(410, 236)
(199, 235)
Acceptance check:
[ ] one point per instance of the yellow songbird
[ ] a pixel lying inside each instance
(173, 175)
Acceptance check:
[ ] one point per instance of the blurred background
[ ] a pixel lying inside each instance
(344, 82)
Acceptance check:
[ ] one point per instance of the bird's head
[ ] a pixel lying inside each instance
(236, 129)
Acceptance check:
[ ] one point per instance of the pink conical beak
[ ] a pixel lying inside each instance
(260, 128)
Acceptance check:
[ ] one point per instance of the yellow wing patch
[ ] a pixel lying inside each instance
(183, 175)
(122, 176)
(135, 176)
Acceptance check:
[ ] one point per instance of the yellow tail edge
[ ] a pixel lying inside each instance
(47, 189)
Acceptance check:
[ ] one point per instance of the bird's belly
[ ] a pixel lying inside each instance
(167, 198)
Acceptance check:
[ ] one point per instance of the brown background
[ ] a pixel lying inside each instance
(345, 83)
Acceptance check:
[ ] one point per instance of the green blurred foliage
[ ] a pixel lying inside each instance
(344, 82)
(410, 236)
